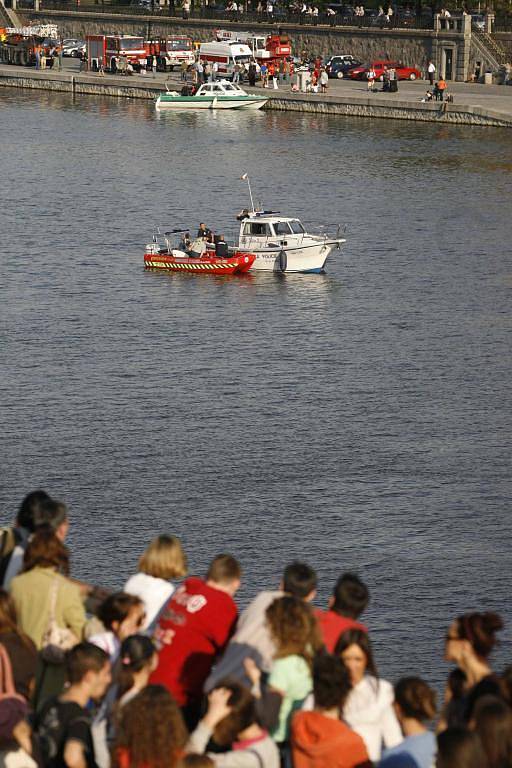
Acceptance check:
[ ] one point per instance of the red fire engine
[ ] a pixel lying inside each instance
(112, 51)
(171, 51)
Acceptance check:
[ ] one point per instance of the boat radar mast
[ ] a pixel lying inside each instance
(245, 177)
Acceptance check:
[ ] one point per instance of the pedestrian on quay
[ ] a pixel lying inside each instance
(14, 540)
(469, 642)
(431, 71)
(294, 630)
(183, 70)
(64, 723)
(163, 562)
(37, 53)
(370, 75)
(154, 65)
(151, 731)
(193, 630)
(323, 80)
(252, 74)
(369, 707)
(215, 71)
(415, 706)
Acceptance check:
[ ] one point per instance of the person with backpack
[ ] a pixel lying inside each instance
(63, 724)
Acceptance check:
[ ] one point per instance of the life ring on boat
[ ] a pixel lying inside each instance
(283, 261)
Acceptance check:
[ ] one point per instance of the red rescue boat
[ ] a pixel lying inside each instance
(192, 262)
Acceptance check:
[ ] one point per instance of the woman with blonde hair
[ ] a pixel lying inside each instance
(163, 560)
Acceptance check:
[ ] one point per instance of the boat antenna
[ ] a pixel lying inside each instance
(245, 177)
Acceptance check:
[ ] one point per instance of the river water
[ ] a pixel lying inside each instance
(357, 420)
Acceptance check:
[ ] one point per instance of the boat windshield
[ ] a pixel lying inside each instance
(297, 227)
(282, 228)
(229, 87)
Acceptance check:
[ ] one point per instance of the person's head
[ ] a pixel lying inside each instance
(138, 658)
(460, 748)
(151, 729)
(242, 714)
(202, 225)
(122, 614)
(492, 721)
(293, 627)
(350, 596)
(331, 682)
(299, 580)
(472, 635)
(46, 550)
(414, 700)
(29, 508)
(52, 515)
(164, 558)
(225, 574)
(355, 651)
(88, 666)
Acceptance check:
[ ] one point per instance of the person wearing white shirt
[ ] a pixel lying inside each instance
(163, 560)
(369, 706)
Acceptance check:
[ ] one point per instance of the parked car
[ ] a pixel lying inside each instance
(74, 48)
(338, 66)
(402, 72)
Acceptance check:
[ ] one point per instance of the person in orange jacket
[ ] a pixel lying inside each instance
(320, 739)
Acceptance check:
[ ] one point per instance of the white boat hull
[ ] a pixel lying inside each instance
(294, 259)
(164, 105)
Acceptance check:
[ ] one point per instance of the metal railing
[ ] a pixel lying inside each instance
(280, 16)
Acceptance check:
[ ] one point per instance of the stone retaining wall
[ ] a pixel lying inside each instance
(331, 105)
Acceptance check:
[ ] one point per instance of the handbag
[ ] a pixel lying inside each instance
(56, 640)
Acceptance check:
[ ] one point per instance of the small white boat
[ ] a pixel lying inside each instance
(220, 94)
(281, 244)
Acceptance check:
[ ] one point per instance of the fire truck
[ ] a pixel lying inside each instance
(111, 51)
(171, 51)
(18, 45)
(264, 48)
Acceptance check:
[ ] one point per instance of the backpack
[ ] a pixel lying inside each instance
(9, 538)
(52, 732)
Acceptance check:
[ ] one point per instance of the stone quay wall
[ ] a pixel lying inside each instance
(370, 107)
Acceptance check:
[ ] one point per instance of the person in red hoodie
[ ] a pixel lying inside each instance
(349, 599)
(193, 629)
(319, 739)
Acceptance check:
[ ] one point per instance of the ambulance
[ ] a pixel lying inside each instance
(226, 54)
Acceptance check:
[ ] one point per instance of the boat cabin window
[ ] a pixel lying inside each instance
(297, 227)
(257, 229)
(282, 228)
(229, 87)
(217, 89)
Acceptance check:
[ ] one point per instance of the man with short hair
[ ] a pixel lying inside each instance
(348, 601)
(320, 738)
(193, 629)
(64, 723)
(252, 637)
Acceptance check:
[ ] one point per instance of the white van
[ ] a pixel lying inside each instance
(226, 55)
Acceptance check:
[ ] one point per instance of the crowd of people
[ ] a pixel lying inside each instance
(165, 673)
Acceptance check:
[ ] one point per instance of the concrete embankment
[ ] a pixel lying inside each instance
(352, 104)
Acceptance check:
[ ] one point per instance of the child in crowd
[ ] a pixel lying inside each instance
(415, 705)
(252, 637)
(349, 599)
(193, 630)
(164, 559)
(320, 739)
(232, 722)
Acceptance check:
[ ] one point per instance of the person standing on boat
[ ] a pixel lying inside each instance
(221, 248)
(204, 232)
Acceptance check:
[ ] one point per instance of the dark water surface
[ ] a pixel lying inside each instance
(356, 420)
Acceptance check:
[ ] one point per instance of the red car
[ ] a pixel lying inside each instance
(402, 73)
